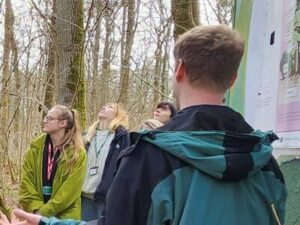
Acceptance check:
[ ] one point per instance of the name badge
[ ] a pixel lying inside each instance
(47, 190)
(93, 170)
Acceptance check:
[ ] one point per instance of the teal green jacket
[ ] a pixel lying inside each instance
(65, 201)
(218, 183)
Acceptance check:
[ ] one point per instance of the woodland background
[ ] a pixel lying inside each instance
(83, 54)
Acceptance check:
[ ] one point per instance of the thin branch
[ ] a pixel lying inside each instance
(28, 98)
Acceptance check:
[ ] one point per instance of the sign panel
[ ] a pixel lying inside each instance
(271, 68)
(288, 103)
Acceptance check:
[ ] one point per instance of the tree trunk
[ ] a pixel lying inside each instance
(70, 40)
(16, 118)
(4, 100)
(185, 14)
(107, 55)
(93, 84)
(163, 33)
(165, 65)
(157, 70)
(129, 8)
(50, 92)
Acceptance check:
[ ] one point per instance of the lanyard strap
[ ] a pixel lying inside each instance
(101, 146)
(50, 161)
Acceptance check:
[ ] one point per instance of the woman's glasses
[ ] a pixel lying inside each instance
(50, 118)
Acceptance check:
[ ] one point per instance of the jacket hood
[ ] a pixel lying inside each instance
(222, 155)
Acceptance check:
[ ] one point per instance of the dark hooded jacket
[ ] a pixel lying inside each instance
(206, 166)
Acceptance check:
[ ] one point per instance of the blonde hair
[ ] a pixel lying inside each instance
(121, 119)
(72, 137)
(210, 55)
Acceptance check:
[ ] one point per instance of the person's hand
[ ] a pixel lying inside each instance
(26, 218)
(3, 219)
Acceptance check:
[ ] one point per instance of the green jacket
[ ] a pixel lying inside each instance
(65, 201)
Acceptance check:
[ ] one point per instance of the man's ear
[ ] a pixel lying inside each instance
(233, 79)
(180, 70)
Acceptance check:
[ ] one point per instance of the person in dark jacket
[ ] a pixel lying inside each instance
(207, 165)
(104, 140)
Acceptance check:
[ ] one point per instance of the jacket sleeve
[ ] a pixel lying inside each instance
(69, 191)
(29, 198)
(128, 201)
(55, 221)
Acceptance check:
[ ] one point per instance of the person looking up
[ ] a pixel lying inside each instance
(164, 111)
(161, 115)
(104, 140)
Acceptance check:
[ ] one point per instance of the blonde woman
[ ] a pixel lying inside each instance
(54, 167)
(105, 139)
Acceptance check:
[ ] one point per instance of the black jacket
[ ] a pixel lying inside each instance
(119, 143)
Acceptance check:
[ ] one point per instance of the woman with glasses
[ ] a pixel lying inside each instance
(54, 167)
(104, 140)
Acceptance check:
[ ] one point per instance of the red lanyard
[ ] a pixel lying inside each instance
(50, 161)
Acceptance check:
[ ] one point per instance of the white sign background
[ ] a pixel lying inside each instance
(266, 37)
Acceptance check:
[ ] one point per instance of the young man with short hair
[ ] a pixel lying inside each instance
(213, 167)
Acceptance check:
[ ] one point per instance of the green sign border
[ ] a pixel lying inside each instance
(242, 17)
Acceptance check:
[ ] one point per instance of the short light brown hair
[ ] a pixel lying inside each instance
(210, 55)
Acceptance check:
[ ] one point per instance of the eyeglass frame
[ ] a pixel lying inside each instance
(50, 118)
